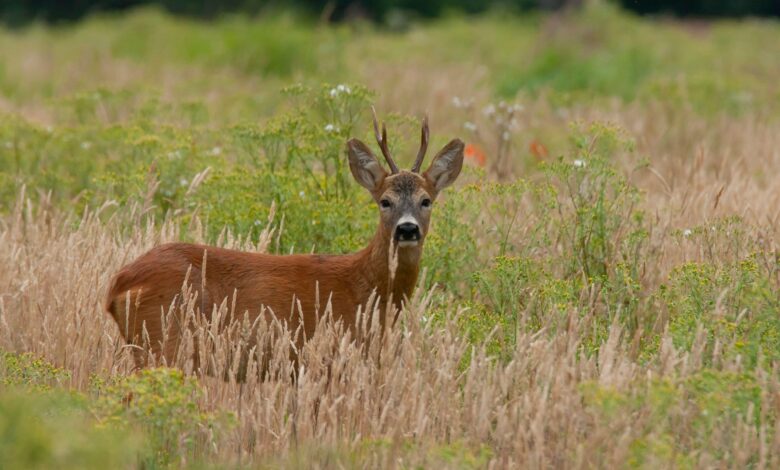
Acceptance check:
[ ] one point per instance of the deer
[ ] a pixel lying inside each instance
(288, 287)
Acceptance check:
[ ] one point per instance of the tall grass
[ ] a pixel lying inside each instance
(411, 398)
(602, 293)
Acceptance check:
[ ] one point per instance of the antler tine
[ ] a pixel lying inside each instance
(424, 134)
(381, 139)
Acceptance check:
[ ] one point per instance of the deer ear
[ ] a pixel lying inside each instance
(446, 165)
(364, 165)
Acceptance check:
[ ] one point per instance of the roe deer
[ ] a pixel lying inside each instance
(277, 282)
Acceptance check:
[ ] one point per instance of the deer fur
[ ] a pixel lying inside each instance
(386, 268)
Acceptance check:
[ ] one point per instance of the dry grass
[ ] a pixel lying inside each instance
(423, 395)
(411, 394)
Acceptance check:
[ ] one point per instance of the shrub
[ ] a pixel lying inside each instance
(163, 405)
(733, 306)
(30, 372)
(43, 425)
(56, 430)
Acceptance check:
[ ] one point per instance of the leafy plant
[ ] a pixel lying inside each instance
(163, 405)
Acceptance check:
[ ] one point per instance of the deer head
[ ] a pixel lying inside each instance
(405, 198)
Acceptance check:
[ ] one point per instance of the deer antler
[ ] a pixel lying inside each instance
(423, 145)
(381, 139)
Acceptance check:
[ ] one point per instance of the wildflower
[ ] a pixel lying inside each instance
(330, 128)
(302, 194)
(470, 126)
(174, 155)
(183, 182)
(489, 110)
(341, 88)
(538, 149)
(457, 102)
(505, 136)
(216, 151)
(475, 155)
(687, 232)
(579, 163)
(257, 223)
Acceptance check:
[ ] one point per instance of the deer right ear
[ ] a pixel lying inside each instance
(364, 165)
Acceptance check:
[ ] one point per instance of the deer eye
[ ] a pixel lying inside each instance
(385, 204)
(426, 202)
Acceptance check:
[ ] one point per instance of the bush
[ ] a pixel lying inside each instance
(56, 430)
(163, 405)
(44, 425)
(30, 372)
(677, 418)
(734, 307)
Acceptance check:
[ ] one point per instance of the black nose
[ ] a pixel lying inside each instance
(407, 231)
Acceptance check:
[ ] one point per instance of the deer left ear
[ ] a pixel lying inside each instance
(446, 165)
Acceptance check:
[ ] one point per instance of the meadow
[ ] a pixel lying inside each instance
(601, 287)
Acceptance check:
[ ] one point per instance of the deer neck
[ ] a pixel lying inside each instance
(392, 273)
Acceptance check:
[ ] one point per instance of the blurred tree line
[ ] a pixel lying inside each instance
(20, 12)
(705, 8)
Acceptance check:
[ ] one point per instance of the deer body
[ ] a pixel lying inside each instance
(292, 288)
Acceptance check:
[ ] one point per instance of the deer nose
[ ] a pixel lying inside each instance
(407, 231)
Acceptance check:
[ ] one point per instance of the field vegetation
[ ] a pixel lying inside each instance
(601, 288)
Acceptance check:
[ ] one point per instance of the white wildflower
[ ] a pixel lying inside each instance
(340, 88)
(216, 151)
(330, 128)
(302, 194)
(579, 163)
(184, 182)
(687, 232)
(258, 223)
(489, 110)
(457, 102)
(470, 126)
(505, 136)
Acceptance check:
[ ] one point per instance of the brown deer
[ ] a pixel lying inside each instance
(143, 290)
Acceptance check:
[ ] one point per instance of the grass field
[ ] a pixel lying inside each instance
(602, 284)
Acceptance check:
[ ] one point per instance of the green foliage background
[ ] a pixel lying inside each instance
(75, 140)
